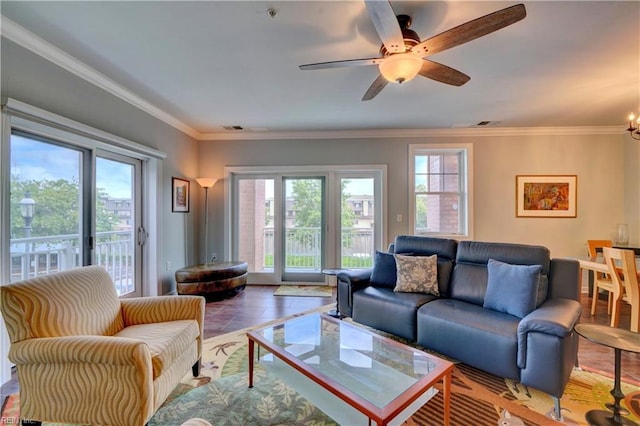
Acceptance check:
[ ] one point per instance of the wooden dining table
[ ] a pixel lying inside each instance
(634, 247)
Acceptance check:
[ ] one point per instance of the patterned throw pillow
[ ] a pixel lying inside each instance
(417, 274)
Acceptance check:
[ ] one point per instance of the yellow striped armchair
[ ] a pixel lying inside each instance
(84, 356)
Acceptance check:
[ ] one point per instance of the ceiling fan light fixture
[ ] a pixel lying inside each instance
(400, 67)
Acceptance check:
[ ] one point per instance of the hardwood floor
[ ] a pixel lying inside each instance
(257, 304)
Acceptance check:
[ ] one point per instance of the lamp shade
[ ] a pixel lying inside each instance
(206, 182)
(400, 67)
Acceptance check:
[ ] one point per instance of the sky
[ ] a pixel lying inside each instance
(35, 160)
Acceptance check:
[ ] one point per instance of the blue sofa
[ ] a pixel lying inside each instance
(508, 309)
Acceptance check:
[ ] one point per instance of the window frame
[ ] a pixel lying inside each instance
(466, 186)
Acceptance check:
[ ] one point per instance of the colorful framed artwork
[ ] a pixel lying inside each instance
(546, 195)
(180, 195)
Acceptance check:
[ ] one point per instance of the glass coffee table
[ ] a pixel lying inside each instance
(353, 375)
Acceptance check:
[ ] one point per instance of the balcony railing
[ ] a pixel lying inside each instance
(303, 248)
(35, 256)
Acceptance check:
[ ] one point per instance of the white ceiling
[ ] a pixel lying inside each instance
(207, 64)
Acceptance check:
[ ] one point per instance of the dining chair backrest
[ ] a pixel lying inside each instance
(595, 246)
(624, 274)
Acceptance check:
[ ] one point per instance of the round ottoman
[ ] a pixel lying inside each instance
(214, 277)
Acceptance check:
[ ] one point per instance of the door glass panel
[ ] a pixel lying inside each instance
(256, 224)
(357, 222)
(46, 207)
(303, 224)
(114, 247)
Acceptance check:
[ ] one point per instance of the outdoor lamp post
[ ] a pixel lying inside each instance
(27, 208)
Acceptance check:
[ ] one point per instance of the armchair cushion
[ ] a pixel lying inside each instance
(166, 341)
(81, 305)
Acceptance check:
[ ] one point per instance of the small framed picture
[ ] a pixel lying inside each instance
(180, 195)
(546, 195)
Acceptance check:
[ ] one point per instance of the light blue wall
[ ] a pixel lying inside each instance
(29, 78)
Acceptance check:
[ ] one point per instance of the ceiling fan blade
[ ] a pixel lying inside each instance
(375, 88)
(386, 23)
(470, 30)
(442, 73)
(341, 64)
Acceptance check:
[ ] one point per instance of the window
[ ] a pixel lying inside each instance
(291, 222)
(441, 196)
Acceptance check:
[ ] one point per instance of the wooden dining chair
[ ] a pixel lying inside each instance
(600, 280)
(595, 246)
(624, 274)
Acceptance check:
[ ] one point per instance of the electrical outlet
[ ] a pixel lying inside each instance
(214, 256)
(168, 265)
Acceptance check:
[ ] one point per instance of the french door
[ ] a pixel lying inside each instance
(303, 254)
(73, 206)
(290, 225)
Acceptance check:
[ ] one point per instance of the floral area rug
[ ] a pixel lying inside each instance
(221, 396)
(477, 397)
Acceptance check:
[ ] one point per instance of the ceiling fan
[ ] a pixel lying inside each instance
(403, 54)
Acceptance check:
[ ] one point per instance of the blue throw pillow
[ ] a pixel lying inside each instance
(384, 270)
(512, 289)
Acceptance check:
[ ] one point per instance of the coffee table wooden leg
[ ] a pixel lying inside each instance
(446, 390)
(251, 349)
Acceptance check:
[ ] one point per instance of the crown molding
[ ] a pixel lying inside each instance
(25, 38)
(418, 133)
(46, 50)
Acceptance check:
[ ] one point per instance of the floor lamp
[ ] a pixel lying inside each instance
(206, 183)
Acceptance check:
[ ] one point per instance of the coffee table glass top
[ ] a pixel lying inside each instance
(375, 368)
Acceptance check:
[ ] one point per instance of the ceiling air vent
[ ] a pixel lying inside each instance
(233, 127)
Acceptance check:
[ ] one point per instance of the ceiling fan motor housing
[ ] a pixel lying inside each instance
(411, 38)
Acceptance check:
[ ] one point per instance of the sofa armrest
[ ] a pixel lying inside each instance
(348, 282)
(556, 317)
(82, 349)
(356, 277)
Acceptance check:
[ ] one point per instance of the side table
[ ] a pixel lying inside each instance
(620, 340)
(333, 272)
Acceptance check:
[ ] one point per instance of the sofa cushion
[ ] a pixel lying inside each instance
(384, 270)
(512, 289)
(385, 310)
(417, 274)
(469, 333)
(167, 341)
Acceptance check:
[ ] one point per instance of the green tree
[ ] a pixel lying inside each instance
(307, 204)
(348, 216)
(421, 208)
(57, 208)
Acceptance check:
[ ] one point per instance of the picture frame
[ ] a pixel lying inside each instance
(180, 195)
(546, 196)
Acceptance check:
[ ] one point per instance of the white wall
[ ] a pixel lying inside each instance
(606, 194)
